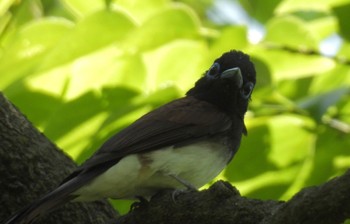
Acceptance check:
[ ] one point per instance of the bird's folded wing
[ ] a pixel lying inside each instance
(181, 121)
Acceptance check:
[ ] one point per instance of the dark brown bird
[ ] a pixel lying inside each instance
(182, 144)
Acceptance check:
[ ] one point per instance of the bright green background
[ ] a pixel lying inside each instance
(82, 70)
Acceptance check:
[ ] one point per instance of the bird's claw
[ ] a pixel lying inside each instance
(137, 204)
(178, 192)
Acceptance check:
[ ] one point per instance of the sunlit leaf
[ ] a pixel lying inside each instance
(290, 139)
(109, 27)
(28, 47)
(254, 7)
(267, 185)
(4, 5)
(299, 35)
(105, 128)
(109, 67)
(292, 65)
(312, 5)
(344, 52)
(230, 38)
(141, 10)
(80, 8)
(188, 56)
(335, 78)
(157, 29)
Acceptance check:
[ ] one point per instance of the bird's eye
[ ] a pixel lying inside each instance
(213, 70)
(247, 90)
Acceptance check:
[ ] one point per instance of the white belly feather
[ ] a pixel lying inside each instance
(145, 174)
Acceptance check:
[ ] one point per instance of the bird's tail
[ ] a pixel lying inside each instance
(61, 195)
(49, 202)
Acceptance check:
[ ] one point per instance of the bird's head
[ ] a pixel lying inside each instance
(228, 83)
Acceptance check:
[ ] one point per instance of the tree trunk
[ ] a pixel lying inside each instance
(32, 166)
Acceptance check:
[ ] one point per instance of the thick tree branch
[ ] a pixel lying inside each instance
(328, 203)
(221, 203)
(30, 166)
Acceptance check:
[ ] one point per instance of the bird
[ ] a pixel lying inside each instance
(182, 144)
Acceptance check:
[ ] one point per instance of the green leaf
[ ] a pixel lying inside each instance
(320, 24)
(318, 105)
(80, 8)
(285, 149)
(251, 169)
(330, 146)
(268, 185)
(256, 143)
(254, 7)
(344, 52)
(78, 140)
(336, 78)
(295, 90)
(284, 146)
(72, 114)
(169, 65)
(299, 35)
(29, 46)
(109, 67)
(312, 5)
(159, 97)
(5, 5)
(342, 13)
(264, 74)
(21, 13)
(72, 125)
(109, 27)
(232, 37)
(39, 110)
(177, 22)
(141, 10)
(344, 111)
(124, 106)
(285, 65)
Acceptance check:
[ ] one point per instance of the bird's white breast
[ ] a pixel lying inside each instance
(145, 174)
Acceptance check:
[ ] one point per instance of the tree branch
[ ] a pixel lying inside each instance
(30, 166)
(328, 203)
(221, 203)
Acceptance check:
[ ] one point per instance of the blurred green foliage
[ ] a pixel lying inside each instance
(82, 71)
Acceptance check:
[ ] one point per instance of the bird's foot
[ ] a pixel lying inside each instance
(187, 184)
(177, 192)
(137, 204)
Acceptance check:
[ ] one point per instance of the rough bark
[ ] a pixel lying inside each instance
(30, 166)
(221, 203)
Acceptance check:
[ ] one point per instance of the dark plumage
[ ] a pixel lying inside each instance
(189, 140)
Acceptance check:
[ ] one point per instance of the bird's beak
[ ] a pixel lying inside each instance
(233, 74)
